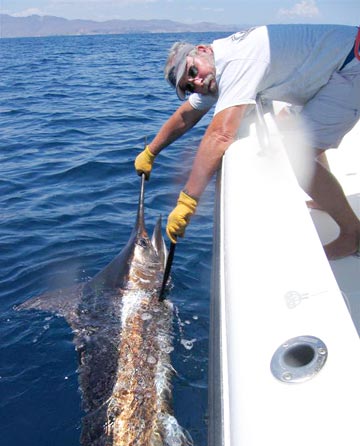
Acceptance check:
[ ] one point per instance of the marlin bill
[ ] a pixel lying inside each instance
(123, 335)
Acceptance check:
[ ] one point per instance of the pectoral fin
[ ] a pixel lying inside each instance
(62, 302)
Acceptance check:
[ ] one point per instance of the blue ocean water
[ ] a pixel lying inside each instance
(74, 113)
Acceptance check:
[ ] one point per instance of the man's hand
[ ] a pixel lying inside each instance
(180, 216)
(144, 162)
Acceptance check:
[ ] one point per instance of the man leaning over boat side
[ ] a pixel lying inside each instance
(314, 66)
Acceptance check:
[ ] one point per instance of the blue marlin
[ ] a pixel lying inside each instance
(123, 335)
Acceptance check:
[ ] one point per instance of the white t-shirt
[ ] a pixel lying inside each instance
(287, 63)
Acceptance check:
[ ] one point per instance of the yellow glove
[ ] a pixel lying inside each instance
(180, 216)
(144, 162)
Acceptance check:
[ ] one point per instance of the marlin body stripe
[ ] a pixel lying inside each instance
(123, 335)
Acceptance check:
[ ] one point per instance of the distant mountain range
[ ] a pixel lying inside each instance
(38, 26)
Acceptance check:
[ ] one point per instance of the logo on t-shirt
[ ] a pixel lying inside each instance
(241, 35)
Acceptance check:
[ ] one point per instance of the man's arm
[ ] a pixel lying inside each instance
(184, 118)
(218, 137)
(180, 122)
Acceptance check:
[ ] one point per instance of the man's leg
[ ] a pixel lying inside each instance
(326, 191)
(322, 159)
(328, 116)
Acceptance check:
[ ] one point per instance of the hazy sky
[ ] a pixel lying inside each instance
(189, 11)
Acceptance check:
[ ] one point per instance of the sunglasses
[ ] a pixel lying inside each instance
(192, 73)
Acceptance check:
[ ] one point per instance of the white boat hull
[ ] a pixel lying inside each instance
(272, 283)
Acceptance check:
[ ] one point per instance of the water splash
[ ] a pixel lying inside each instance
(188, 343)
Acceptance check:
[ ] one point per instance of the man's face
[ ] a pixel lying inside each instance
(200, 76)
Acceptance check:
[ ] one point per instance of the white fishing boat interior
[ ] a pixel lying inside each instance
(285, 322)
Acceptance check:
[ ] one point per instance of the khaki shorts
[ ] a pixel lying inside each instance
(335, 109)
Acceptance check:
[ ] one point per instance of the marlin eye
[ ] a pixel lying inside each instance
(142, 242)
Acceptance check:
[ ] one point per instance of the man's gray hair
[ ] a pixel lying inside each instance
(176, 64)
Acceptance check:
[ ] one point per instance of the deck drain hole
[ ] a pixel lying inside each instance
(299, 355)
(299, 359)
